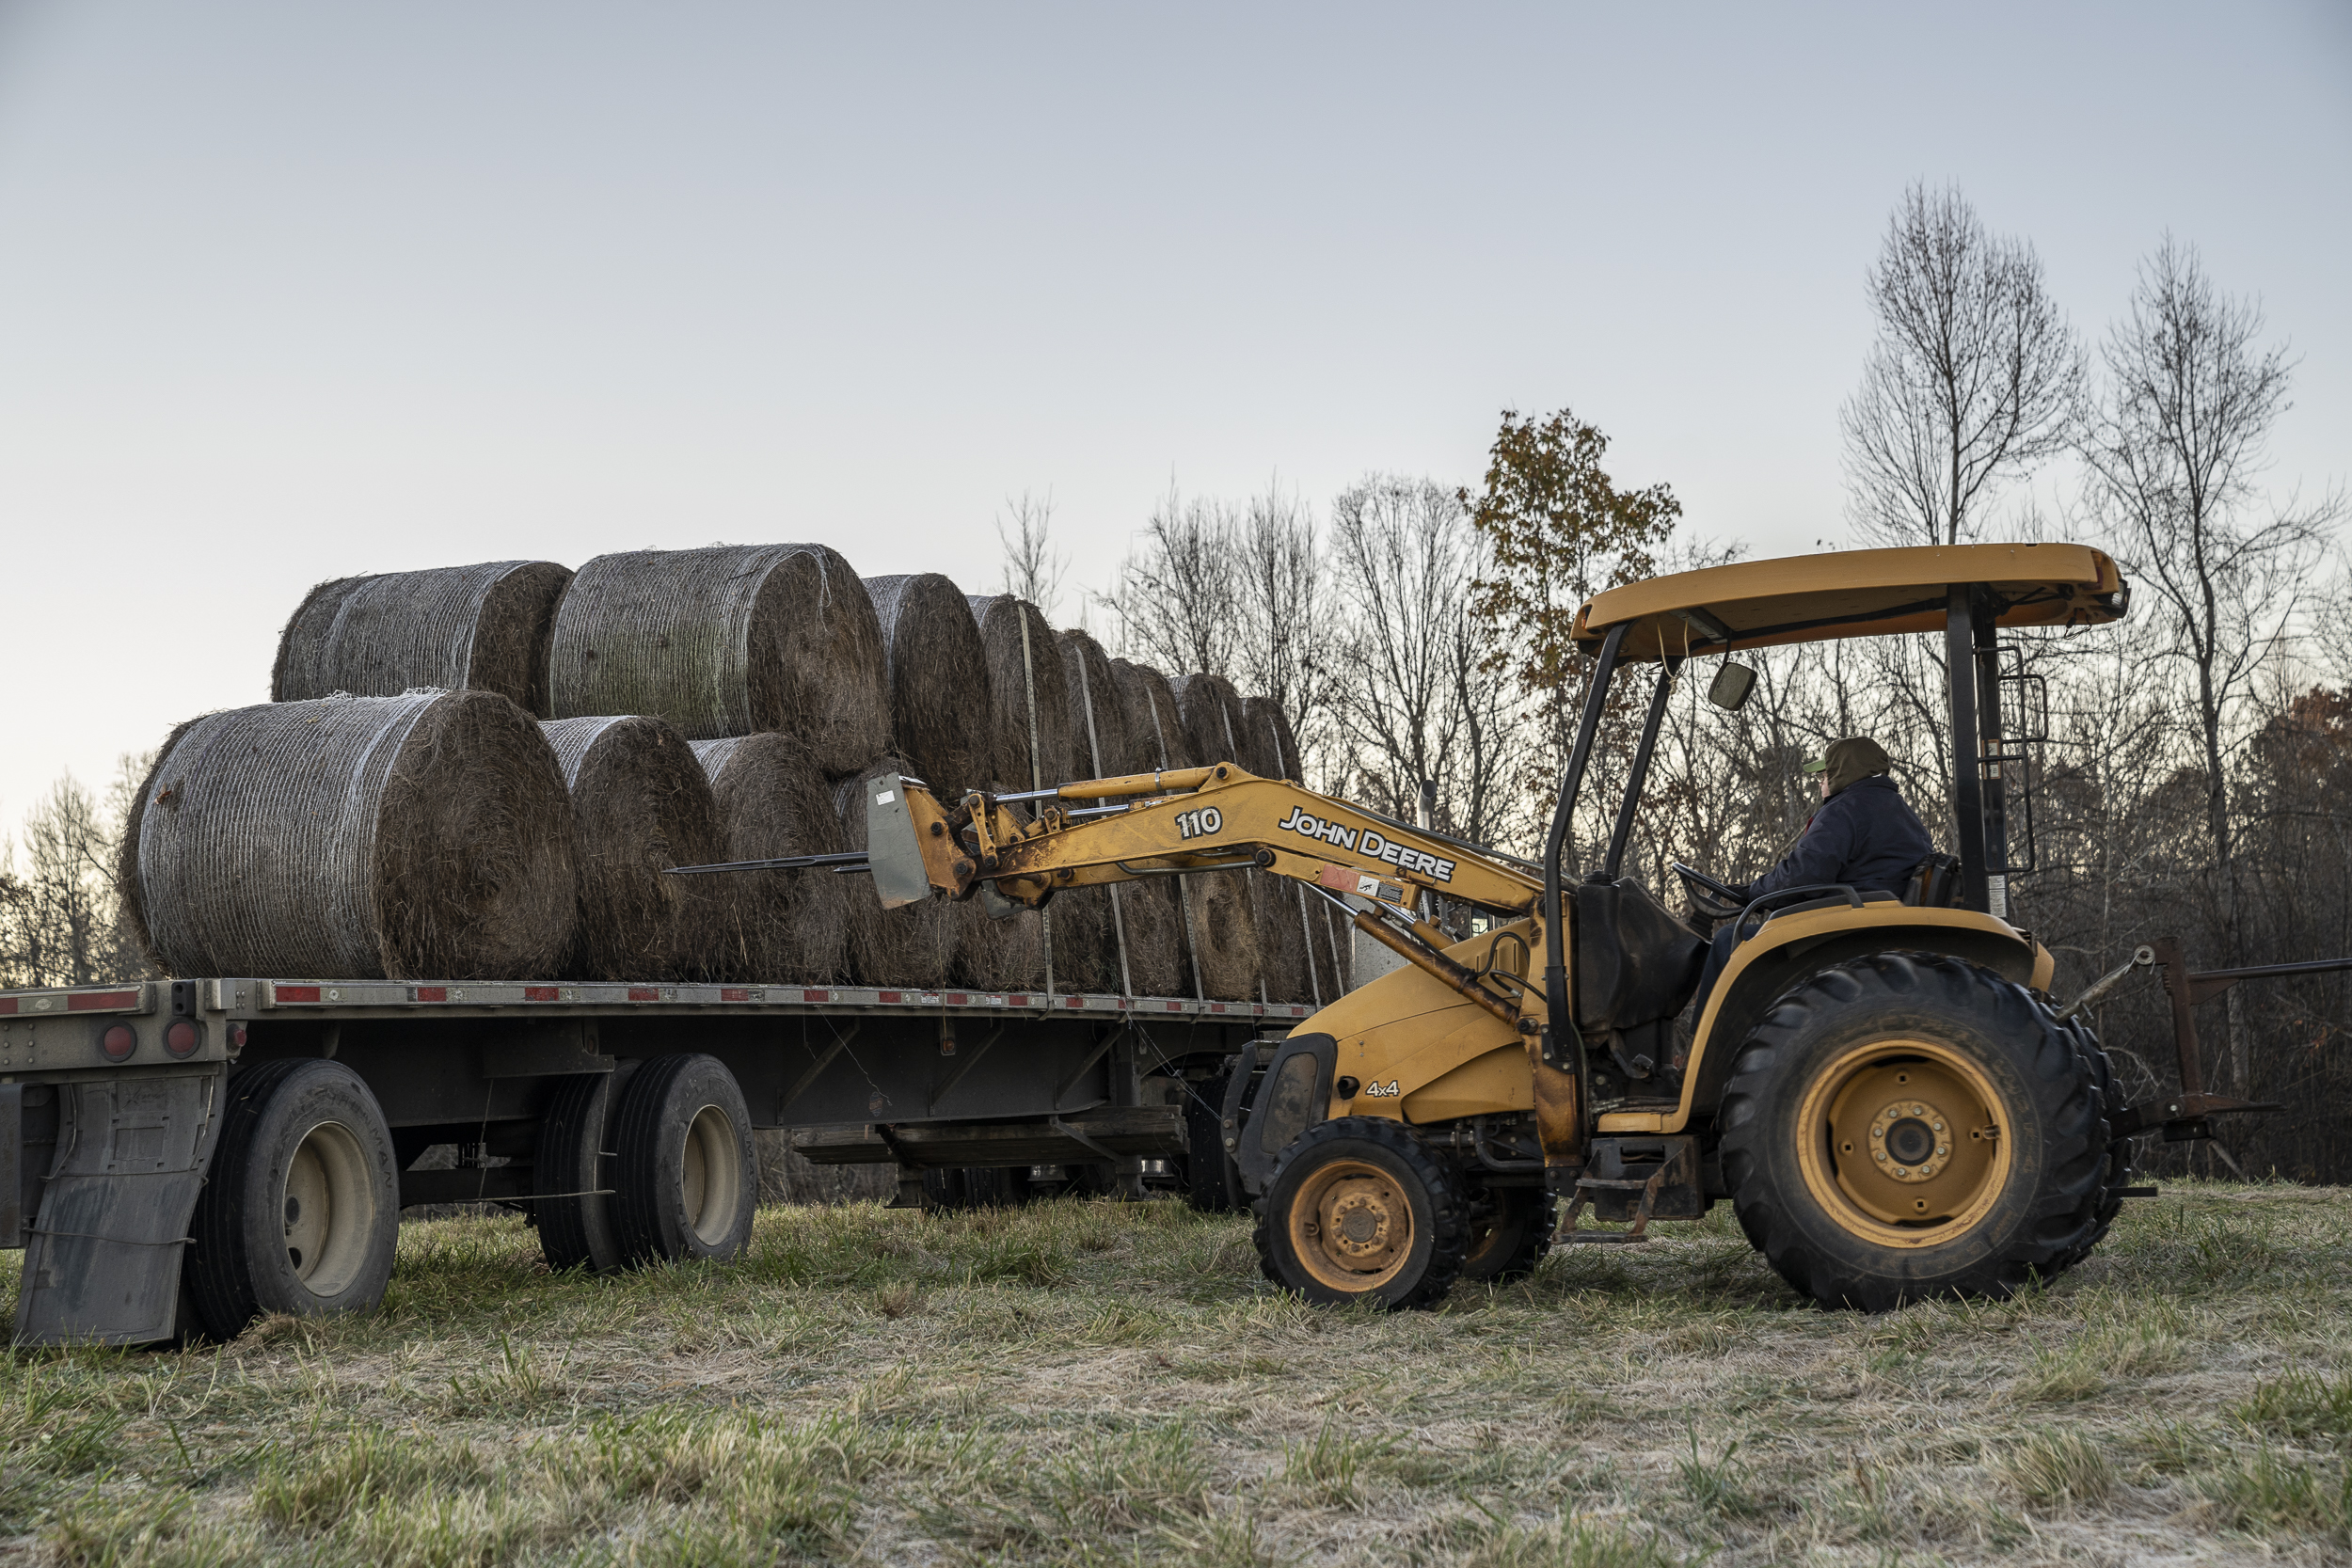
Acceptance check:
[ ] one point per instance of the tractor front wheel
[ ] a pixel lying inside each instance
(1907, 1126)
(1359, 1210)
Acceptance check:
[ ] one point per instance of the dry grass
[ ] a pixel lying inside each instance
(1087, 1383)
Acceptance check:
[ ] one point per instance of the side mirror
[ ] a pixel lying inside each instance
(1731, 688)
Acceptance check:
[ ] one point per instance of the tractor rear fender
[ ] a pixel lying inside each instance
(1805, 942)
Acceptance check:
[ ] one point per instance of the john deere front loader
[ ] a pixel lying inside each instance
(1879, 1084)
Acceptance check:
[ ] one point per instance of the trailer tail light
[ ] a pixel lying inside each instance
(182, 1038)
(116, 1041)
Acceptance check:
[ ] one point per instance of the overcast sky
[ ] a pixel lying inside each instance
(293, 292)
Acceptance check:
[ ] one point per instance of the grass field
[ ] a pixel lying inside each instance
(1087, 1381)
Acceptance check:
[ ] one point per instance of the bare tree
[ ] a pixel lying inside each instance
(1178, 599)
(1972, 378)
(1032, 569)
(1288, 617)
(1414, 701)
(60, 920)
(2174, 449)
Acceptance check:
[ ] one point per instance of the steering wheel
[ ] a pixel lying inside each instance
(1717, 900)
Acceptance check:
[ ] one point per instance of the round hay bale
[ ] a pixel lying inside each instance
(1272, 740)
(1287, 912)
(936, 672)
(729, 641)
(1102, 746)
(1010, 679)
(641, 805)
(1210, 712)
(773, 801)
(482, 628)
(425, 836)
(1088, 921)
(913, 945)
(1159, 950)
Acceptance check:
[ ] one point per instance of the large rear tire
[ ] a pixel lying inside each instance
(687, 1177)
(2116, 1174)
(1510, 1234)
(1359, 1210)
(1907, 1126)
(300, 1210)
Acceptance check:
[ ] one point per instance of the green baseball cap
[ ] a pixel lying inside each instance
(1816, 765)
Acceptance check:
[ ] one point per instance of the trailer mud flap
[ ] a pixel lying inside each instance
(101, 1263)
(1295, 1095)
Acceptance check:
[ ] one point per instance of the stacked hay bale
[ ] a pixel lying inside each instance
(1092, 933)
(935, 670)
(915, 946)
(729, 641)
(1297, 940)
(1030, 715)
(641, 805)
(773, 802)
(482, 628)
(1227, 929)
(1159, 903)
(419, 836)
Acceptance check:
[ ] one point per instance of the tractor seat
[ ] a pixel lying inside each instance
(1935, 883)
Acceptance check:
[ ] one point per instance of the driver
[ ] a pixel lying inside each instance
(1863, 834)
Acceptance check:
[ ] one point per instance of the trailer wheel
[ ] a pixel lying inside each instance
(300, 1209)
(575, 1227)
(1358, 1210)
(1907, 1126)
(687, 1178)
(1511, 1236)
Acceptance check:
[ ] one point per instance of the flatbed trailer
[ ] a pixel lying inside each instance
(114, 1100)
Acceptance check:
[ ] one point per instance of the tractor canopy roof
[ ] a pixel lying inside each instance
(1840, 593)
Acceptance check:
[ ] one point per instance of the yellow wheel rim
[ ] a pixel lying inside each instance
(1904, 1142)
(1351, 1226)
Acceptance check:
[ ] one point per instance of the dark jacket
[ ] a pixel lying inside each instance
(1865, 836)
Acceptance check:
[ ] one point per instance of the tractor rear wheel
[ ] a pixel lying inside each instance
(1359, 1210)
(2118, 1172)
(1907, 1126)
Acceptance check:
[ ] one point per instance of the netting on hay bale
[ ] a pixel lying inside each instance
(733, 640)
(1088, 921)
(425, 836)
(913, 945)
(641, 805)
(1159, 905)
(1295, 966)
(935, 669)
(1024, 659)
(775, 802)
(482, 627)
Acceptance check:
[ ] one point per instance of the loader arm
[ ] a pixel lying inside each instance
(1211, 819)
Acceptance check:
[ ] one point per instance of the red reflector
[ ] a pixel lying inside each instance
(643, 993)
(101, 1001)
(540, 993)
(815, 996)
(1175, 1006)
(956, 999)
(1016, 1001)
(297, 993)
(890, 996)
(118, 1043)
(432, 993)
(734, 994)
(1216, 1006)
(236, 1035)
(8, 1004)
(181, 1040)
(1075, 1002)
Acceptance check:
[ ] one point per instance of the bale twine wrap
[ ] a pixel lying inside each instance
(913, 945)
(1295, 937)
(420, 836)
(641, 805)
(1011, 679)
(1161, 904)
(1091, 924)
(482, 628)
(1330, 939)
(773, 802)
(729, 641)
(935, 669)
(1227, 905)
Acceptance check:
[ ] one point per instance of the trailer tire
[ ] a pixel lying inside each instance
(1906, 1081)
(1510, 1234)
(300, 1209)
(577, 1229)
(686, 1176)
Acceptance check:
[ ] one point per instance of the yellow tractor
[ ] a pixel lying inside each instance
(1881, 1086)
